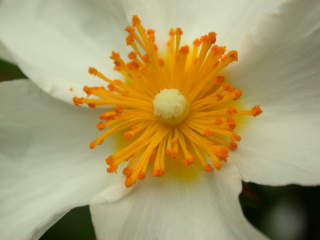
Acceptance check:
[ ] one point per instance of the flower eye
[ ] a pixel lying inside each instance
(173, 104)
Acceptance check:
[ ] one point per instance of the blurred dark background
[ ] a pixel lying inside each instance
(282, 213)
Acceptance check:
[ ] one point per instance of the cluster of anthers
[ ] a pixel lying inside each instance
(173, 105)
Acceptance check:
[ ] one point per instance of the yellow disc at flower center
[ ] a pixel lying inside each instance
(171, 106)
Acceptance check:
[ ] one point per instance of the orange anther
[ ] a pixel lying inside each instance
(117, 63)
(218, 121)
(129, 40)
(236, 137)
(161, 62)
(106, 117)
(197, 42)
(232, 125)
(150, 31)
(87, 90)
(157, 172)
(152, 39)
(184, 49)
(223, 158)
(112, 169)
(117, 68)
(237, 94)
(233, 146)
(188, 161)
(207, 133)
(129, 182)
(134, 127)
(233, 55)
(146, 58)
(117, 82)
(219, 80)
(179, 31)
(109, 160)
(216, 64)
(129, 29)
(218, 50)
(172, 32)
(100, 125)
(115, 55)
(126, 171)
(132, 55)
(221, 152)
(111, 86)
(160, 172)
(217, 165)
(91, 105)
(92, 70)
(128, 134)
(219, 97)
(207, 168)
(141, 175)
(92, 145)
(231, 121)
(231, 89)
(133, 65)
(135, 20)
(169, 151)
(174, 141)
(226, 86)
(174, 154)
(204, 38)
(256, 110)
(77, 101)
(224, 149)
(212, 37)
(154, 172)
(118, 109)
(232, 110)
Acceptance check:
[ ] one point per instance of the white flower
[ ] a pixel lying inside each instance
(46, 168)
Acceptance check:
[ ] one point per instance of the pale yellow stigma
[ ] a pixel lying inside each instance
(170, 106)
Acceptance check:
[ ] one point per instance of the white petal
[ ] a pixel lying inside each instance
(280, 71)
(168, 208)
(54, 42)
(5, 54)
(229, 19)
(111, 194)
(45, 165)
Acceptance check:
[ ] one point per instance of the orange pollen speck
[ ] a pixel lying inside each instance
(190, 77)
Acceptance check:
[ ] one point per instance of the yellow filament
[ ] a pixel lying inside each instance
(201, 137)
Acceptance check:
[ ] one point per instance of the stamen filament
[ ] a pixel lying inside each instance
(173, 105)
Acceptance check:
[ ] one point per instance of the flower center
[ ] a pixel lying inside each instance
(173, 105)
(170, 106)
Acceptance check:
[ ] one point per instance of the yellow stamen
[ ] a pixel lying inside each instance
(171, 106)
